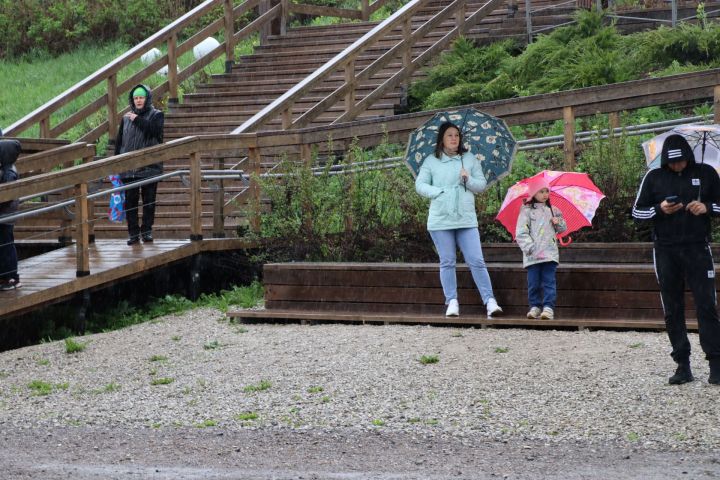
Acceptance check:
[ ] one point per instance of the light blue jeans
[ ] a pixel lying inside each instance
(468, 239)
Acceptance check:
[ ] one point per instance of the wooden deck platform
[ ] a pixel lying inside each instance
(599, 286)
(51, 277)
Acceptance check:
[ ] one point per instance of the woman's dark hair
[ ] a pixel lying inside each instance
(441, 133)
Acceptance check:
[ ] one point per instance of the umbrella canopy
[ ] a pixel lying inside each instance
(485, 136)
(703, 139)
(573, 193)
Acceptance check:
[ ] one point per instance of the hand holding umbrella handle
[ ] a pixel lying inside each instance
(464, 175)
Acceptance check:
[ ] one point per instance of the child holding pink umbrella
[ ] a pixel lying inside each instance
(538, 224)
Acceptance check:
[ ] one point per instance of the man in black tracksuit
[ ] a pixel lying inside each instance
(680, 197)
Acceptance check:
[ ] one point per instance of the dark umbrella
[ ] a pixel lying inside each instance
(485, 136)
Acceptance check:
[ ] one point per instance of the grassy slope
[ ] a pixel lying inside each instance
(29, 83)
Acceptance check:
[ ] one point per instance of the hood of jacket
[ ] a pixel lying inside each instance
(148, 99)
(675, 149)
(9, 152)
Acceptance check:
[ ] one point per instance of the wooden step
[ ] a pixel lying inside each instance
(310, 317)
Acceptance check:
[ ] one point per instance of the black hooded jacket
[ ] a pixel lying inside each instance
(9, 153)
(145, 131)
(695, 182)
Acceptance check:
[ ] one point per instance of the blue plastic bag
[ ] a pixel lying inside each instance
(116, 212)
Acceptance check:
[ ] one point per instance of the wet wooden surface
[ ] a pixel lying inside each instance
(51, 277)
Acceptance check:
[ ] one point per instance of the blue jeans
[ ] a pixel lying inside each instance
(542, 288)
(468, 239)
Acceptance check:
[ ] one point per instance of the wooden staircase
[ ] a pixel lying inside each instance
(229, 99)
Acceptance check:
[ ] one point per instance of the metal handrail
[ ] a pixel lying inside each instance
(206, 174)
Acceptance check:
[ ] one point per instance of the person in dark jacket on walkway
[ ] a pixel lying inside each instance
(9, 278)
(141, 127)
(679, 198)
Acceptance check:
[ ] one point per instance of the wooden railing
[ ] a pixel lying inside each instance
(346, 60)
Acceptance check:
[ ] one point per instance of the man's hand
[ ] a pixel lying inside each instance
(131, 116)
(670, 208)
(696, 208)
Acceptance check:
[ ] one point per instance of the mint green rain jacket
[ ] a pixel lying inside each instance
(451, 206)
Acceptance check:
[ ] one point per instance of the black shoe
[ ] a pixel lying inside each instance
(133, 240)
(714, 377)
(683, 374)
(147, 237)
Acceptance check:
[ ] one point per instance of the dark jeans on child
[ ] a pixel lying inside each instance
(132, 199)
(542, 289)
(8, 254)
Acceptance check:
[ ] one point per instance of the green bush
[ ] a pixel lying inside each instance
(587, 53)
(371, 215)
(62, 25)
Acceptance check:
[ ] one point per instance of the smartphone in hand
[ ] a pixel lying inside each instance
(672, 199)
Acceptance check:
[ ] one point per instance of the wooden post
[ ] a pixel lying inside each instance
(528, 21)
(287, 118)
(172, 69)
(407, 51)
(91, 211)
(365, 5)
(716, 104)
(112, 104)
(673, 7)
(569, 133)
(460, 17)
(350, 81)
(614, 122)
(264, 7)
(254, 164)
(81, 229)
(284, 14)
(306, 153)
(229, 36)
(45, 127)
(195, 198)
(219, 203)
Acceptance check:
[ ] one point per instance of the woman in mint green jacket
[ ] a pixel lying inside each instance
(450, 179)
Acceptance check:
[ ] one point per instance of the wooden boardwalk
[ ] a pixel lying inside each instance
(51, 277)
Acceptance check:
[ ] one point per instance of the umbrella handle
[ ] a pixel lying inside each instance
(565, 242)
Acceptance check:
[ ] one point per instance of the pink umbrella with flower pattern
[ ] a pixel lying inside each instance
(573, 193)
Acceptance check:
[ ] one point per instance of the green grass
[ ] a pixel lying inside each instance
(502, 349)
(246, 416)
(125, 314)
(39, 387)
(263, 385)
(207, 423)
(158, 358)
(429, 359)
(162, 381)
(378, 423)
(73, 346)
(42, 362)
(30, 82)
(315, 389)
(212, 345)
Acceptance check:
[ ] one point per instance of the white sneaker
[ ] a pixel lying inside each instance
(547, 314)
(493, 308)
(534, 312)
(453, 309)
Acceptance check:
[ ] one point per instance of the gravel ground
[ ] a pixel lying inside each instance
(193, 396)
